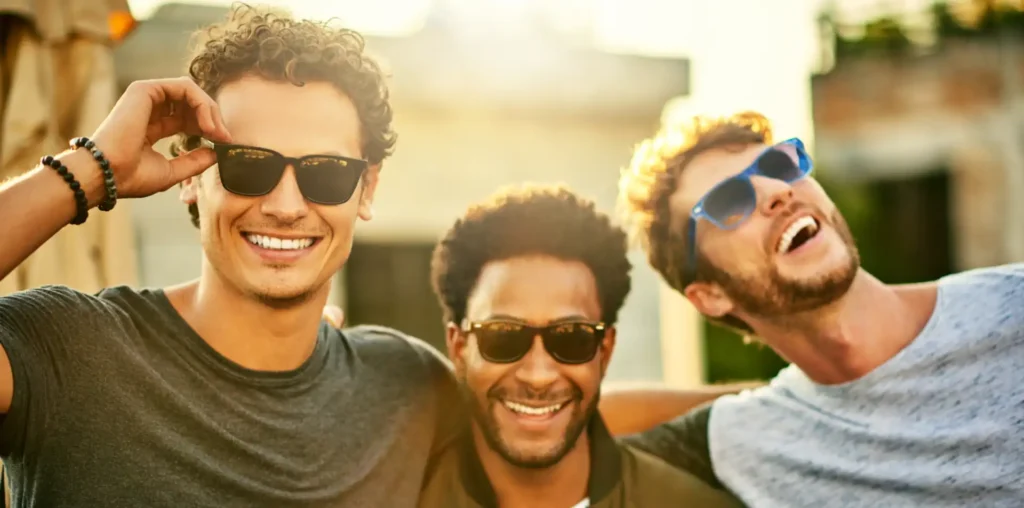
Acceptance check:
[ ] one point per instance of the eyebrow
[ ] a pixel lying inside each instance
(563, 319)
(336, 153)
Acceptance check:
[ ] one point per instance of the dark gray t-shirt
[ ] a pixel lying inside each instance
(119, 403)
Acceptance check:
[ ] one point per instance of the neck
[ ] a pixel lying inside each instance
(245, 330)
(849, 338)
(561, 485)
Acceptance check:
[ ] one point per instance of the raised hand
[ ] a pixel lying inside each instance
(149, 111)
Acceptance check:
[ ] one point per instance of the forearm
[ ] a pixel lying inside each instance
(628, 409)
(36, 205)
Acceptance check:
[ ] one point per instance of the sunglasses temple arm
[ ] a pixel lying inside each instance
(691, 260)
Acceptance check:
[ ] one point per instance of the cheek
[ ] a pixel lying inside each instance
(339, 218)
(481, 377)
(220, 206)
(587, 378)
(810, 191)
(736, 249)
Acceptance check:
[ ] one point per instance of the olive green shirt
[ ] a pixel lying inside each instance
(620, 477)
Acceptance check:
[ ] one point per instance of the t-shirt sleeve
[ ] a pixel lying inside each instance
(437, 377)
(450, 410)
(38, 328)
(682, 442)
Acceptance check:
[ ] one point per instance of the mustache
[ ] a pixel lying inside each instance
(524, 393)
(296, 228)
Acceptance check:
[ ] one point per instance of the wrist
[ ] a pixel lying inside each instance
(85, 169)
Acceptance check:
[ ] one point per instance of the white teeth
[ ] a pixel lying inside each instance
(270, 242)
(794, 228)
(532, 411)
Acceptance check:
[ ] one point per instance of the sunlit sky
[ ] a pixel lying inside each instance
(758, 60)
(656, 26)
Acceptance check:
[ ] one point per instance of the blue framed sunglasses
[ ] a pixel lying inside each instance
(730, 203)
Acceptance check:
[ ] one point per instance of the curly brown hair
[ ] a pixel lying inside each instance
(525, 220)
(276, 47)
(647, 185)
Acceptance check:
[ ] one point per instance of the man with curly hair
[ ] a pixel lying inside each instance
(897, 395)
(531, 282)
(228, 390)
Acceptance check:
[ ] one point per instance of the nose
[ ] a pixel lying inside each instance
(285, 203)
(773, 195)
(537, 369)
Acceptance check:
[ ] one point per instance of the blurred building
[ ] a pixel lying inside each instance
(480, 103)
(940, 138)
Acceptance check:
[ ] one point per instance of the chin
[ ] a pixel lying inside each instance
(539, 455)
(276, 294)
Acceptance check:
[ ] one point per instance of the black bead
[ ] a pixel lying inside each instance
(98, 155)
(68, 177)
(63, 171)
(79, 193)
(104, 164)
(109, 181)
(89, 144)
(46, 160)
(56, 164)
(75, 185)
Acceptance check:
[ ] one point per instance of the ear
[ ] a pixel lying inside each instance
(607, 348)
(709, 299)
(370, 179)
(456, 343)
(189, 192)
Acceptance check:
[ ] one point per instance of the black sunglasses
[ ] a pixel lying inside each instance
(507, 341)
(255, 171)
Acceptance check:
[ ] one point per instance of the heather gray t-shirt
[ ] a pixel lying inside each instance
(941, 424)
(119, 403)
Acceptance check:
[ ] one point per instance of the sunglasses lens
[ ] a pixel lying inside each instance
(503, 342)
(248, 171)
(781, 162)
(573, 342)
(730, 202)
(329, 180)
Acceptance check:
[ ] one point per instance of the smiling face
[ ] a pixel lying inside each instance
(531, 412)
(279, 247)
(794, 253)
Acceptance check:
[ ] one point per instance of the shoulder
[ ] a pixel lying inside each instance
(395, 351)
(647, 477)
(1004, 279)
(401, 347)
(991, 295)
(681, 442)
(443, 483)
(52, 305)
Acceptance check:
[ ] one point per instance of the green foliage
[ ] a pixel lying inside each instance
(889, 36)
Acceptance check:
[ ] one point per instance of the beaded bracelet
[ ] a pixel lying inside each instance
(108, 175)
(81, 204)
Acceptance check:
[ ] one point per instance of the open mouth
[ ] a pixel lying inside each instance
(797, 234)
(277, 243)
(534, 410)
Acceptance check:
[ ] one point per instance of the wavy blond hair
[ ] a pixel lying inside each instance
(652, 177)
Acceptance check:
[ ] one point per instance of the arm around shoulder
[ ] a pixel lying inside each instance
(682, 443)
(630, 409)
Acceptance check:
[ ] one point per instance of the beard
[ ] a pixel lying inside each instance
(771, 294)
(481, 408)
